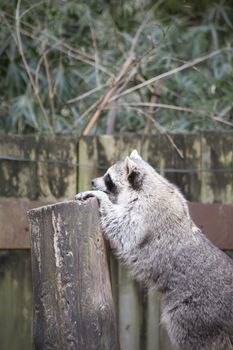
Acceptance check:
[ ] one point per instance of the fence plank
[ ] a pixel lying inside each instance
(73, 307)
(129, 316)
(153, 320)
(87, 159)
(37, 167)
(16, 300)
(217, 153)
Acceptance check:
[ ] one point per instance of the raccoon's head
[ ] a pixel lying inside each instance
(124, 178)
(133, 179)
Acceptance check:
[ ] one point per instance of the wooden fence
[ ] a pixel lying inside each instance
(40, 170)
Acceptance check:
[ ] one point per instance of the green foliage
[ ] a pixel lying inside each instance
(73, 47)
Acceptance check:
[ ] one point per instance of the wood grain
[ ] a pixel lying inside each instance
(73, 307)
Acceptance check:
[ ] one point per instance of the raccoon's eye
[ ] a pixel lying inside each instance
(110, 184)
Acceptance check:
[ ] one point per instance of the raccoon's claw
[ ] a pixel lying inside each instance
(84, 195)
(101, 196)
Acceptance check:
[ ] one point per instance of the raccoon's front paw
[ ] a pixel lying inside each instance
(84, 195)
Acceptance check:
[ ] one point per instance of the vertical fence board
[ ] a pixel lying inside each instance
(164, 342)
(188, 179)
(15, 300)
(129, 317)
(153, 319)
(88, 162)
(217, 153)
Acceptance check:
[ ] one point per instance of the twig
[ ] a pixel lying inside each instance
(50, 88)
(71, 48)
(86, 61)
(139, 77)
(20, 47)
(138, 33)
(40, 63)
(177, 108)
(151, 111)
(96, 55)
(167, 74)
(127, 79)
(90, 109)
(30, 8)
(88, 93)
(220, 120)
(161, 129)
(111, 119)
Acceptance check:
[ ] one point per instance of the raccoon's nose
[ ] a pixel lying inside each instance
(93, 183)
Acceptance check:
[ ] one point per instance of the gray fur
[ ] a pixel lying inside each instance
(147, 223)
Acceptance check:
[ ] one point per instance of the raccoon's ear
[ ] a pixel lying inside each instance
(135, 155)
(133, 173)
(130, 166)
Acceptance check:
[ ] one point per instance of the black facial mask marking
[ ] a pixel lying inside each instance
(136, 180)
(111, 187)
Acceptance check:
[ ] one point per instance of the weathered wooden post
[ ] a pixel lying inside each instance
(73, 307)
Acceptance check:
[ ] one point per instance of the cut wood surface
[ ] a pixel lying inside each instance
(73, 307)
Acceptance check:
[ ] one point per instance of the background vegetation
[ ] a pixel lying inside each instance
(83, 67)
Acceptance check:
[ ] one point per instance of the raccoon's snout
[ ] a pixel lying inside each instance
(104, 184)
(97, 184)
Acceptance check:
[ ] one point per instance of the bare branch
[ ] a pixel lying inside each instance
(177, 108)
(40, 63)
(73, 49)
(96, 56)
(138, 33)
(128, 78)
(88, 93)
(167, 74)
(31, 8)
(90, 109)
(120, 78)
(220, 120)
(105, 100)
(85, 60)
(161, 129)
(111, 119)
(151, 110)
(50, 88)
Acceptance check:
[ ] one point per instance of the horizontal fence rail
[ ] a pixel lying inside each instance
(215, 220)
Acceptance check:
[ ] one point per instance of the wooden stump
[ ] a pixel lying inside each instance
(73, 306)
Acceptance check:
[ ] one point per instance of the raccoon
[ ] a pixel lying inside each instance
(147, 222)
